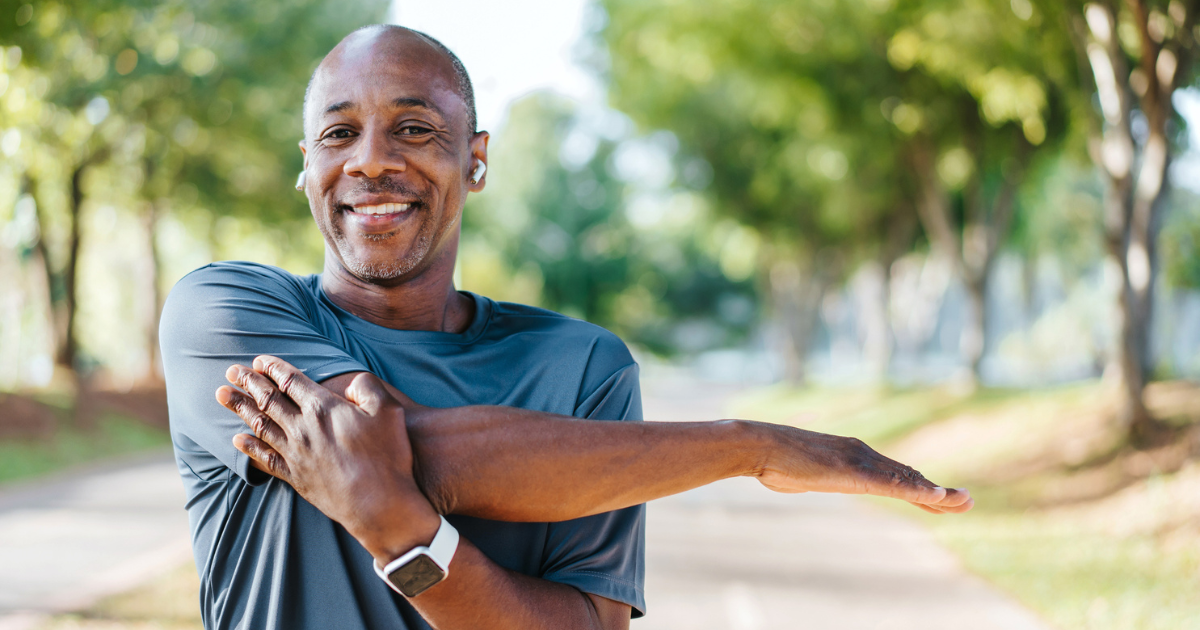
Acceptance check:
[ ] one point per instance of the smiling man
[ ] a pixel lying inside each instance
(494, 492)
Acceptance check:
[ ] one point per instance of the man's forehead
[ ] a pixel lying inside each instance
(396, 63)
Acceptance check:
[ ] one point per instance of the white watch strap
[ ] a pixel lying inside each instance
(445, 543)
(441, 551)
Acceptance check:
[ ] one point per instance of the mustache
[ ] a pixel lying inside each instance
(386, 184)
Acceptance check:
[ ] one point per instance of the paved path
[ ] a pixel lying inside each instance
(736, 556)
(732, 556)
(66, 542)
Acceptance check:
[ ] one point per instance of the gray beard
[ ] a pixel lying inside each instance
(389, 270)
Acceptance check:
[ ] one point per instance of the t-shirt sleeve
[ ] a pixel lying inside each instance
(229, 313)
(605, 554)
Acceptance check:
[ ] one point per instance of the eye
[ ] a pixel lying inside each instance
(413, 130)
(340, 133)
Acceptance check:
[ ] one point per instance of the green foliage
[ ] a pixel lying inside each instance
(813, 114)
(554, 228)
(743, 87)
(204, 99)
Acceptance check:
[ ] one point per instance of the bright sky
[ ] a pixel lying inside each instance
(510, 47)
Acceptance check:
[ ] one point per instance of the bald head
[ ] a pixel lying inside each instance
(402, 44)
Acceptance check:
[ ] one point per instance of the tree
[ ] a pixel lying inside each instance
(1000, 105)
(830, 129)
(554, 228)
(1137, 54)
(201, 101)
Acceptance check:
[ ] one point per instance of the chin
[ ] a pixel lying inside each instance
(376, 268)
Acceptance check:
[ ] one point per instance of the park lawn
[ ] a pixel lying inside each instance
(168, 603)
(111, 436)
(1091, 534)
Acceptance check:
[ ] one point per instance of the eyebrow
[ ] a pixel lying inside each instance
(399, 103)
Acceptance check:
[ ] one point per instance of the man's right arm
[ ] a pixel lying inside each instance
(517, 465)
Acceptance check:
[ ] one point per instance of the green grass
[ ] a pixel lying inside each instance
(111, 436)
(875, 415)
(1076, 578)
(1066, 563)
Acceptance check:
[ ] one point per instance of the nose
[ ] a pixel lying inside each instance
(374, 155)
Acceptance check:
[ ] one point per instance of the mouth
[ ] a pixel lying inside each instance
(380, 209)
(378, 219)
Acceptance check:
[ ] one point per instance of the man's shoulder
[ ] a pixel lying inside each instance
(241, 274)
(221, 293)
(520, 319)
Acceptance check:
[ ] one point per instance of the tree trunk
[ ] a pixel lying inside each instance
(974, 336)
(879, 338)
(41, 255)
(153, 293)
(971, 247)
(1132, 204)
(796, 294)
(874, 327)
(68, 349)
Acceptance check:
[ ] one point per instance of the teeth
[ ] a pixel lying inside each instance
(385, 208)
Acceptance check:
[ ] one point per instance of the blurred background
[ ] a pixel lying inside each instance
(965, 231)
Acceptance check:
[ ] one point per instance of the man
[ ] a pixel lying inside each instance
(548, 507)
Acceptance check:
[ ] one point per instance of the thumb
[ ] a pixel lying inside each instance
(368, 392)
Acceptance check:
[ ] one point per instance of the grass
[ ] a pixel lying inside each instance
(111, 436)
(1089, 533)
(168, 603)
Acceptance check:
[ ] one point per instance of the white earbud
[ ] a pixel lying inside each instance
(300, 180)
(478, 173)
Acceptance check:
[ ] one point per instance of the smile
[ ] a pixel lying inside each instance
(383, 208)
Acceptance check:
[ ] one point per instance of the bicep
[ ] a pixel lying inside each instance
(217, 317)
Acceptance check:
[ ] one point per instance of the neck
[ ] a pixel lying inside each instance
(425, 301)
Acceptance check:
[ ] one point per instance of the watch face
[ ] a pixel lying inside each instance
(417, 575)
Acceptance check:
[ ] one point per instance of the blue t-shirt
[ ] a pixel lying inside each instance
(269, 560)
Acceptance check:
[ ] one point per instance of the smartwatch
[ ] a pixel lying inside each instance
(414, 572)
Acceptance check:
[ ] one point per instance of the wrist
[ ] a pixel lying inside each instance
(407, 522)
(755, 443)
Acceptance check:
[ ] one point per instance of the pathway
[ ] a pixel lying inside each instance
(67, 541)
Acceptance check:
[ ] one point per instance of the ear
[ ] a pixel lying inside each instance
(304, 152)
(478, 145)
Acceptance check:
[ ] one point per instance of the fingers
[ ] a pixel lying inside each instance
(291, 381)
(261, 455)
(957, 501)
(899, 481)
(269, 398)
(931, 510)
(248, 410)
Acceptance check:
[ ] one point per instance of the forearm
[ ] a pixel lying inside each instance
(516, 465)
(479, 594)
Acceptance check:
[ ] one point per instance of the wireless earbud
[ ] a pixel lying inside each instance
(478, 173)
(301, 180)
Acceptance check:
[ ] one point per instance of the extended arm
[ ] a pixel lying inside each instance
(516, 465)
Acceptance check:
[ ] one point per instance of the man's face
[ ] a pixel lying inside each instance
(388, 155)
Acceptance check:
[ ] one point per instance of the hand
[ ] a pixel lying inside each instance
(348, 456)
(806, 461)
